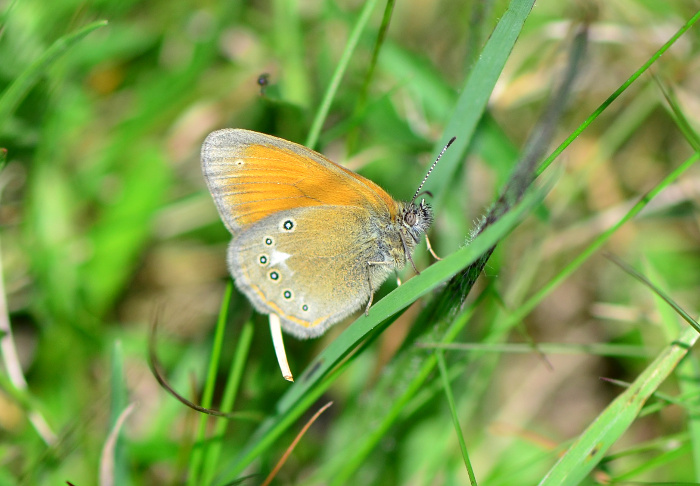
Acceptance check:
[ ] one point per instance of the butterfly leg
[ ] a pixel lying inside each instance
(430, 248)
(407, 252)
(369, 281)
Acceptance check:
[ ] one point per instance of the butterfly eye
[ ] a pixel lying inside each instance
(288, 294)
(410, 218)
(268, 241)
(305, 307)
(274, 275)
(263, 260)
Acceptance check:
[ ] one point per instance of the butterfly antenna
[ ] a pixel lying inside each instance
(431, 169)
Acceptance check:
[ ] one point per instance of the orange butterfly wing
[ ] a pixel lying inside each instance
(252, 175)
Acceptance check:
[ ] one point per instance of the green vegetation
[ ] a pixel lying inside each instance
(107, 227)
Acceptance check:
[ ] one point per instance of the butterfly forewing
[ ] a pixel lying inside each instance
(253, 175)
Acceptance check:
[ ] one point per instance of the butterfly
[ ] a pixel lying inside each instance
(312, 240)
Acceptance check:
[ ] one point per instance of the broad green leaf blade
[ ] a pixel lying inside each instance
(591, 446)
(475, 95)
(687, 370)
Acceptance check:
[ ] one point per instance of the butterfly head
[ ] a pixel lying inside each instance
(416, 219)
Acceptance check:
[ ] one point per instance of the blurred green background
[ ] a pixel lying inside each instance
(107, 225)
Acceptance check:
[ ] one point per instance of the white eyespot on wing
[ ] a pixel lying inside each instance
(287, 225)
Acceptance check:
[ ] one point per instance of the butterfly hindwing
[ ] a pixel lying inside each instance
(289, 264)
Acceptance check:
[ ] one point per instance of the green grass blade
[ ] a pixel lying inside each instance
(198, 453)
(19, 88)
(453, 411)
(362, 95)
(340, 69)
(655, 444)
(664, 399)
(590, 447)
(475, 95)
(678, 116)
(667, 457)
(663, 295)
(532, 302)
(228, 400)
(688, 371)
(548, 161)
(477, 33)
(273, 427)
(596, 349)
(345, 466)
